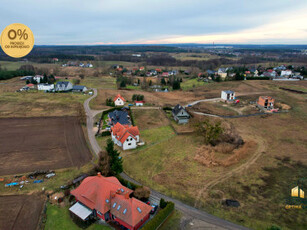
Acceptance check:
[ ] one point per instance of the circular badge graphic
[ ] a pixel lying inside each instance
(17, 40)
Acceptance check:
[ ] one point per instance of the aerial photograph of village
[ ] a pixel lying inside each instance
(153, 115)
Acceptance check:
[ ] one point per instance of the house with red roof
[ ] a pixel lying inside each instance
(119, 100)
(165, 74)
(106, 198)
(142, 68)
(125, 136)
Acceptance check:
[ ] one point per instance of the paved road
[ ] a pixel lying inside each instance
(90, 114)
(213, 221)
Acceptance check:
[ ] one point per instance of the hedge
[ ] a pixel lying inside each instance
(127, 183)
(132, 119)
(156, 222)
(257, 78)
(167, 108)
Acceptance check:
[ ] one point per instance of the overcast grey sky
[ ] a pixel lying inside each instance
(56, 22)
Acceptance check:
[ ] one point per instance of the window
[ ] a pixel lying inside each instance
(114, 205)
(124, 212)
(107, 201)
(118, 207)
(139, 209)
(129, 143)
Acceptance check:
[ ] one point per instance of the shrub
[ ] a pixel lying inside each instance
(142, 193)
(105, 133)
(155, 222)
(126, 183)
(163, 203)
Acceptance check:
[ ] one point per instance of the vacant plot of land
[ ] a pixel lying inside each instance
(36, 103)
(20, 212)
(149, 118)
(29, 144)
(217, 108)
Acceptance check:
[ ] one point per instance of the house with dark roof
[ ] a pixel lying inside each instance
(79, 88)
(63, 86)
(125, 136)
(107, 199)
(180, 114)
(119, 116)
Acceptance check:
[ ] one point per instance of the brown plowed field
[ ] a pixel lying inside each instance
(41, 143)
(20, 212)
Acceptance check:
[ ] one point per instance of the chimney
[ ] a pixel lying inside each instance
(127, 196)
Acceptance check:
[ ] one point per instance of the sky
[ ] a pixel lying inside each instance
(95, 22)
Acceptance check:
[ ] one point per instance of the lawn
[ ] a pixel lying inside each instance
(104, 82)
(156, 135)
(59, 218)
(191, 83)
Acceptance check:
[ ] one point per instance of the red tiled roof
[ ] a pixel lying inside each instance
(94, 192)
(132, 215)
(119, 96)
(165, 74)
(139, 101)
(122, 132)
(30, 85)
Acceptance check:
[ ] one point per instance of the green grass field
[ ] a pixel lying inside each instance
(58, 218)
(104, 82)
(191, 83)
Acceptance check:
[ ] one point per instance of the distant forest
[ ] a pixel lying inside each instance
(161, 55)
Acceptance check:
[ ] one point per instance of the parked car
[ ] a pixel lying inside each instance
(190, 105)
(131, 105)
(38, 181)
(154, 208)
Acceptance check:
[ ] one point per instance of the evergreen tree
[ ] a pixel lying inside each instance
(116, 162)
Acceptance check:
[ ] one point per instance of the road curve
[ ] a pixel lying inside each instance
(186, 209)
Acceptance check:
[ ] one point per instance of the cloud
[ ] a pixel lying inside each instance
(122, 21)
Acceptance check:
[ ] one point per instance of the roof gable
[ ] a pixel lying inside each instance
(119, 96)
(96, 190)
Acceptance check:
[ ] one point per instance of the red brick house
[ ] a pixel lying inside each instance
(107, 199)
(266, 102)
